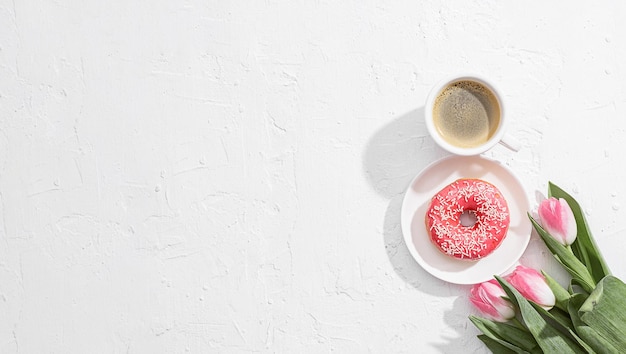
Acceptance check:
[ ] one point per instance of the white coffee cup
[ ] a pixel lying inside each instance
(466, 115)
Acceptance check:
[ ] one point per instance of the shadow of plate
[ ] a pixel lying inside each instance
(393, 157)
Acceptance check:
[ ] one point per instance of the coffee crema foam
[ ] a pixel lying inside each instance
(466, 114)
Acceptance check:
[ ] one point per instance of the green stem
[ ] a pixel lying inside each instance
(517, 323)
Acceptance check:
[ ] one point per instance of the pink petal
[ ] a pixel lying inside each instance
(532, 285)
(487, 297)
(558, 220)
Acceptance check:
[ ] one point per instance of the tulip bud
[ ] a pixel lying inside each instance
(558, 220)
(532, 285)
(488, 298)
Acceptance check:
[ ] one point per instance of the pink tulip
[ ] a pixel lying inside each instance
(487, 297)
(558, 220)
(532, 285)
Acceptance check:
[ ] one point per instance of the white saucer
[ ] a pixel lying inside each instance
(430, 181)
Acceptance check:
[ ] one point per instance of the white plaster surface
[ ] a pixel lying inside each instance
(226, 176)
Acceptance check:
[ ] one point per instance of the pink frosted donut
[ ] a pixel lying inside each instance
(443, 219)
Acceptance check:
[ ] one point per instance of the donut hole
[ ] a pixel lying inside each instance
(468, 218)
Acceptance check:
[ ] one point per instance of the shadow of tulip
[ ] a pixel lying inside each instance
(462, 337)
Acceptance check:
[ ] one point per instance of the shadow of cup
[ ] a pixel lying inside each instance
(398, 152)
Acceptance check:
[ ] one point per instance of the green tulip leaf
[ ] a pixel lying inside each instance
(569, 261)
(557, 315)
(588, 334)
(549, 339)
(604, 311)
(497, 346)
(517, 338)
(561, 321)
(584, 247)
(560, 293)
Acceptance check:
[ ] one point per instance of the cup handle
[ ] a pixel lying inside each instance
(510, 142)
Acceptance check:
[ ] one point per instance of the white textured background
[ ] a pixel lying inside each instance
(226, 177)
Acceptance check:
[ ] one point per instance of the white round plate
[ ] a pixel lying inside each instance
(430, 181)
